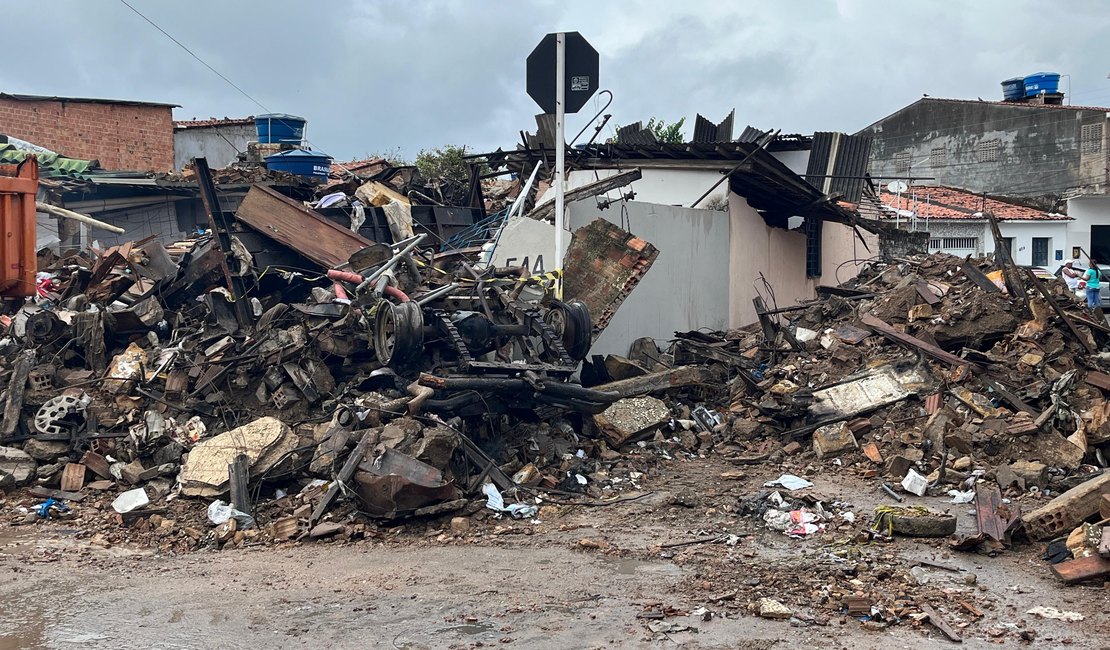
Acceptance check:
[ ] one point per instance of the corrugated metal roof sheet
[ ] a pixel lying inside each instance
(837, 164)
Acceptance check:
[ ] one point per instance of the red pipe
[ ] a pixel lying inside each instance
(340, 292)
(393, 291)
(347, 276)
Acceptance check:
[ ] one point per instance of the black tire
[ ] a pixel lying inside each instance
(571, 321)
(398, 333)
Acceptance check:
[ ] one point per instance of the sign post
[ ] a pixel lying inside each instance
(560, 153)
(575, 64)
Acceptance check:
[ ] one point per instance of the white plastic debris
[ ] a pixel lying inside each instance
(789, 482)
(219, 512)
(496, 502)
(804, 335)
(915, 483)
(961, 497)
(1053, 613)
(130, 500)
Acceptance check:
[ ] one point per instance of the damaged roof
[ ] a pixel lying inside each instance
(213, 122)
(940, 202)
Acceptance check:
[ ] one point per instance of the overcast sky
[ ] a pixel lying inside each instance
(380, 76)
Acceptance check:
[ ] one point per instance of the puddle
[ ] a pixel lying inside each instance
(469, 629)
(631, 566)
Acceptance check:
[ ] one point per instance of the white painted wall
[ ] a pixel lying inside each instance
(686, 288)
(678, 187)
(1085, 211)
(1023, 233)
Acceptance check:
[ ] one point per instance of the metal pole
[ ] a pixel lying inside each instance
(560, 152)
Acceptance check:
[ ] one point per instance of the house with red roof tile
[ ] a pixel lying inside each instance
(1038, 149)
(957, 223)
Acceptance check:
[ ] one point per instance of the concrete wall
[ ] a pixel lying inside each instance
(679, 187)
(1040, 151)
(219, 144)
(687, 286)
(120, 136)
(780, 255)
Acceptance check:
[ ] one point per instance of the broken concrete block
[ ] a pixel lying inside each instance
(1065, 512)
(1054, 450)
(46, 451)
(771, 608)
(833, 439)
(460, 525)
(898, 466)
(205, 474)
(920, 312)
(1023, 473)
(631, 417)
(18, 465)
(131, 472)
(792, 448)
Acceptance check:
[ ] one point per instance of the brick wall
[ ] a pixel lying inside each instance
(120, 136)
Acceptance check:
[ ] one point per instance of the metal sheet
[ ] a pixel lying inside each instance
(290, 223)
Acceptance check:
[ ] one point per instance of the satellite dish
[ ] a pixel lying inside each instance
(896, 187)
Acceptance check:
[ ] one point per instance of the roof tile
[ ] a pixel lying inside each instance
(939, 202)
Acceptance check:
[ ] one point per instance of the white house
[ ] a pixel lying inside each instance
(957, 224)
(763, 230)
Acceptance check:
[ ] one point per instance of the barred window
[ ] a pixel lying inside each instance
(938, 157)
(961, 242)
(1090, 138)
(936, 242)
(902, 161)
(989, 150)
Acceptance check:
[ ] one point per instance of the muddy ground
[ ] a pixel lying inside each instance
(580, 577)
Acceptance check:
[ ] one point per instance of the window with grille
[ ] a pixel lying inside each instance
(960, 242)
(902, 161)
(936, 242)
(938, 157)
(989, 150)
(1090, 138)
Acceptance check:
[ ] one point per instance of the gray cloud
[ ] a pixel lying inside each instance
(376, 76)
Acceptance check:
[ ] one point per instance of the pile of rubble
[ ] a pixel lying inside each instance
(158, 387)
(928, 375)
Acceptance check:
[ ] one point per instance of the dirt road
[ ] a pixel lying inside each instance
(419, 587)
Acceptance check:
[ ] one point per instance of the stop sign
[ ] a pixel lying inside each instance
(581, 72)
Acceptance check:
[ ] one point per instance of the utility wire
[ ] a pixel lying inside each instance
(193, 54)
(215, 71)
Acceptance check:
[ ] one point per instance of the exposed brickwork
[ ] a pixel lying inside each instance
(120, 136)
(603, 264)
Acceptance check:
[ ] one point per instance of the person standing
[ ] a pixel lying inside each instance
(1071, 275)
(1091, 278)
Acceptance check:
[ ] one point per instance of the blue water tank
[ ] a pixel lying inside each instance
(310, 164)
(279, 127)
(1041, 82)
(1013, 88)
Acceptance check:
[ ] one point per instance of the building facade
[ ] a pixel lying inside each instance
(119, 134)
(1020, 149)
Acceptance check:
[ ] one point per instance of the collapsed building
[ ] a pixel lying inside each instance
(322, 357)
